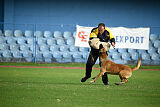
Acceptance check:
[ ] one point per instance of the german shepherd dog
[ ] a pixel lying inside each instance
(109, 67)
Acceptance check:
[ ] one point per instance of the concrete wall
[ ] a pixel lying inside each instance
(127, 13)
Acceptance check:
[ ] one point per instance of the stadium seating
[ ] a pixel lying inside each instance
(30, 40)
(70, 41)
(57, 34)
(24, 48)
(1, 33)
(18, 33)
(72, 48)
(64, 48)
(54, 48)
(14, 47)
(59, 47)
(2, 40)
(60, 41)
(4, 47)
(47, 34)
(28, 33)
(157, 43)
(51, 41)
(10, 40)
(17, 54)
(126, 56)
(57, 55)
(116, 55)
(6, 54)
(67, 35)
(153, 37)
(8, 33)
(122, 50)
(83, 49)
(21, 40)
(151, 50)
(38, 34)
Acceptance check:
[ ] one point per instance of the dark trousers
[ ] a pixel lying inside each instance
(93, 56)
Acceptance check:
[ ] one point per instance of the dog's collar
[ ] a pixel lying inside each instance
(104, 60)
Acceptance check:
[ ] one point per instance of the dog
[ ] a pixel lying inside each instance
(109, 67)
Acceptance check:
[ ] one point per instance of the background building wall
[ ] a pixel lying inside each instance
(127, 13)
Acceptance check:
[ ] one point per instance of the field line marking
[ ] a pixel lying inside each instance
(63, 67)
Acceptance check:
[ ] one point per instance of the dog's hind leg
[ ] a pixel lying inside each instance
(124, 77)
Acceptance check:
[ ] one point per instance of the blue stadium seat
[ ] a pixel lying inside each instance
(47, 34)
(60, 42)
(85, 55)
(8, 33)
(21, 40)
(122, 50)
(4, 47)
(159, 50)
(119, 61)
(153, 37)
(145, 56)
(28, 33)
(74, 34)
(30, 40)
(66, 55)
(54, 48)
(57, 34)
(10, 40)
(126, 56)
(76, 55)
(44, 48)
(83, 49)
(14, 47)
(112, 50)
(1, 33)
(18, 33)
(26, 54)
(46, 54)
(151, 50)
(16, 54)
(157, 43)
(67, 35)
(131, 50)
(24, 48)
(64, 48)
(38, 34)
(2, 40)
(134, 56)
(70, 41)
(140, 51)
(116, 55)
(155, 56)
(51, 41)
(57, 54)
(72, 48)
(41, 41)
(6, 54)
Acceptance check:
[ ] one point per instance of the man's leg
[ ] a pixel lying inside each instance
(90, 62)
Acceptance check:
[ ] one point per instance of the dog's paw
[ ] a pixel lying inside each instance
(90, 82)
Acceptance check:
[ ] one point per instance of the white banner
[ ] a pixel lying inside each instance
(135, 38)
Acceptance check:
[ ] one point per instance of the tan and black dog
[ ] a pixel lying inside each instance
(110, 67)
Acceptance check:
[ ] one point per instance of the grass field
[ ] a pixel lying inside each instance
(50, 87)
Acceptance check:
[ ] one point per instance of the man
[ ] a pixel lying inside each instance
(104, 35)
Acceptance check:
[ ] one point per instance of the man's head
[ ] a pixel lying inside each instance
(101, 28)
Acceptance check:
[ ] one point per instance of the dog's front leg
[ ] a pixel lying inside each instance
(98, 76)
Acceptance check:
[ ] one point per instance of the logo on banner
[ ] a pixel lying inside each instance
(82, 36)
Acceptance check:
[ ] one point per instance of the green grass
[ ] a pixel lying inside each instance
(46, 87)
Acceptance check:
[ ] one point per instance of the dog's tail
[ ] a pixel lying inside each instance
(138, 64)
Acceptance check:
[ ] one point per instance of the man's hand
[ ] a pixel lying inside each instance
(113, 44)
